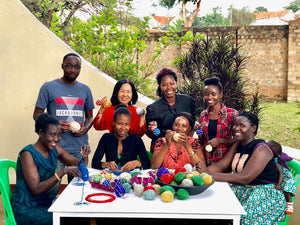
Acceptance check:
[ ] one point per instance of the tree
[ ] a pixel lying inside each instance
(295, 6)
(211, 20)
(187, 20)
(216, 57)
(44, 9)
(242, 17)
(260, 9)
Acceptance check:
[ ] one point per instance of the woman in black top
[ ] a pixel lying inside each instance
(121, 148)
(254, 173)
(162, 112)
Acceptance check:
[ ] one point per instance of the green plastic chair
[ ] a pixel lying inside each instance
(5, 165)
(295, 170)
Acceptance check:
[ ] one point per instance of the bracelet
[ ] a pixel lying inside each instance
(193, 153)
(100, 112)
(57, 177)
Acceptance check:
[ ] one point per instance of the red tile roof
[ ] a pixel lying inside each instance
(163, 19)
(266, 15)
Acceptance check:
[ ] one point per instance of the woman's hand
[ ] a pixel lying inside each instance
(184, 140)
(152, 125)
(215, 142)
(169, 137)
(85, 151)
(201, 167)
(110, 165)
(131, 165)
(70, 170)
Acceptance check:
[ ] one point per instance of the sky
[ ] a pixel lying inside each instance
(145, 8)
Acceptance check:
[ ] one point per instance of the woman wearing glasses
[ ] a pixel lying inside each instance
(124, 93)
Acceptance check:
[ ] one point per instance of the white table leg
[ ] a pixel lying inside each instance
(56, 219)
(236, 220)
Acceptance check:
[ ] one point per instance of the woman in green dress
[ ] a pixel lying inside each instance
(36, 172)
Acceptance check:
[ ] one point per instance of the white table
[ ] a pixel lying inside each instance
(217, 202)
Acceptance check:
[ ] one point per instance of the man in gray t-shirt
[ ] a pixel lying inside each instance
(68, 100)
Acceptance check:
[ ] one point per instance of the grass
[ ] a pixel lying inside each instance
(277, 122)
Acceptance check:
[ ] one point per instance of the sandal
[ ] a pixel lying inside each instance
(289, 208)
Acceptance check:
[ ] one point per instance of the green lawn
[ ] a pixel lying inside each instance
(277, 123)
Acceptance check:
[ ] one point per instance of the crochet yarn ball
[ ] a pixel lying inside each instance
(188, 167)
(197, 180)
(161, 171)
(167, 188)
(182, 194)
(157, 188)
(97, 178)
(156, 131)
(189, 176)
(199, 132)
(167, 196)
(149, 194)
(120, 191)
(138, 189)
(179, 177)
(127, 187)
(180, 169)
(195, 173)
(149, 188)
(207, 179)
(108, 176)
(126, 176)
(165, 178)
(187, 183)
(106, 183)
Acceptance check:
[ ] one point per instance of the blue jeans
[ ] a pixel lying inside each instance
(59, 166)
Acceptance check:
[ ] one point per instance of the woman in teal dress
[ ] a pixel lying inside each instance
(36, 172)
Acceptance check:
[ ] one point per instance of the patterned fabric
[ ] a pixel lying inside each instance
(108, 117)
(263, 203)
(27, 206)
(226, 119)
(288, 182)
(174, 159)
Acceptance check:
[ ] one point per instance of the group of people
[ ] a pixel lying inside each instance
(226, 147)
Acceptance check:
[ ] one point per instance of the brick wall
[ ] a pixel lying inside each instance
(274, 57)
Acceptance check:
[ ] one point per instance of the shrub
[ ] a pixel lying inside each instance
(220, 57)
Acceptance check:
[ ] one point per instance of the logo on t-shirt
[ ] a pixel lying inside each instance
(70, 103)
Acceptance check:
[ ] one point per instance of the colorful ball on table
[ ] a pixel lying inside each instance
(182, 194)
(207, 179)
(187, 183)
(167, 196)
(179, 177)
(167, 188)
(106, 183)
(127, 187)
(149, 188)
(138, 189)
(157, 188)
(180, 169)
(197, 180)
(118, 182)
(149, 194)
(120, 191)
(165, 178)
(195, 173)
(189, 176)
(161, 171)
(188, 167)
